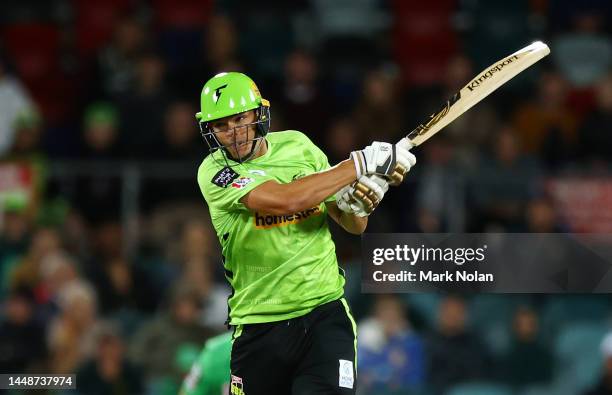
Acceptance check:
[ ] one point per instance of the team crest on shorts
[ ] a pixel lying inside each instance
(345, 374)
(242, 182)
(236, 387)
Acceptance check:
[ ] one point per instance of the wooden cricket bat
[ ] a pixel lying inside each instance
(477, 89)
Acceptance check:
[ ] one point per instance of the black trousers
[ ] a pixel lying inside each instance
(312, 354)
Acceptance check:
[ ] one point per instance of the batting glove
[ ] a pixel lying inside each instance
(390, 161)
(362, 196)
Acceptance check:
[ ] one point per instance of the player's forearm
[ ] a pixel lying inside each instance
(301, 194)
(352, 223)
(311, 190)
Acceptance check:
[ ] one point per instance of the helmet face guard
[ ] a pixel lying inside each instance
(262, 127)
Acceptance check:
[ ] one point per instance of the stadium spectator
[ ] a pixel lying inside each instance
(21, 336)
(70, 333)
(26, 272)
(57, 271)
(595, 140)
(391, 355)
(547, 126)
(96, 194)
(378, 114)
(15, 239)
(221, 46)
(142, 109)
(542, 217)
(604, 386)
(528, 361)
(586, 37)
(172, 334)
(199, 273)
(109, 372)
(181, 134)
(14, 100)
(455, 354)
(340, 139)
(116, 64)
(503, 184)
(28, 135)
(300, 92)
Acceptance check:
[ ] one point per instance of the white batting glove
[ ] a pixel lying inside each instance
(390, 161)
(362, 196)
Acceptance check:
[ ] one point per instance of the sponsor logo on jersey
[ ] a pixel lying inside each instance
(242, 182)
(224, 177)
(270, 221)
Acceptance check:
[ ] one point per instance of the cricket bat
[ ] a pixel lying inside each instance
(477, 89)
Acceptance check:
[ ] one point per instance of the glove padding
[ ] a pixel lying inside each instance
(390, 161)
(362, 196)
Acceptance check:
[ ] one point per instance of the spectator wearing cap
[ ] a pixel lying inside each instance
(97, 193)
(604, 386)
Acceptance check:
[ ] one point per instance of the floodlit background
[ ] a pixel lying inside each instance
(109, 266)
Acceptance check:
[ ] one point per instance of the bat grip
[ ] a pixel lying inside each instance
(405, 143)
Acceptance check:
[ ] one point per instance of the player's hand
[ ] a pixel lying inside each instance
(390, 161)
(362, 196)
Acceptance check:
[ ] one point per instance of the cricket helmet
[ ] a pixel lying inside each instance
(228, 94)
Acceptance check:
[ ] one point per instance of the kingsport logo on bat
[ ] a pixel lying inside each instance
(498, 67)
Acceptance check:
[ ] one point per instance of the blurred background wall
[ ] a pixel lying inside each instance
(109, 266)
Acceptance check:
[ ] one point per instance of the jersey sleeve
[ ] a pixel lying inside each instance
(224, 188)
(320, 162)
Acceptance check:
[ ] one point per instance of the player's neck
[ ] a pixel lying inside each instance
(262, 149)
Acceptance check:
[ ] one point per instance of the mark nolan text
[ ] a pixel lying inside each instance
(430, 276)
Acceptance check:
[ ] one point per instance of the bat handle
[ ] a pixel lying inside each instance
(405, 143)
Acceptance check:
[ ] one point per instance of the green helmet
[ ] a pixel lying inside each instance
(229, 94)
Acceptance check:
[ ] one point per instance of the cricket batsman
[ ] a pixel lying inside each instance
(269, 195)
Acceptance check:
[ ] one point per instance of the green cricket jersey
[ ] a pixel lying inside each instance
(279, 266)
(210, 373)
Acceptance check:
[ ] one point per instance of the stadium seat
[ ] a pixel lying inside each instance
(425, 306)
(537, 390)
(182, 14)
(479, 388)
(574, 308)
(33, 49)
(491, 317)
(95, 21)
(424, 39)
(578, 355)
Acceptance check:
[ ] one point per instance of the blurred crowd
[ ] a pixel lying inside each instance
(109, 266)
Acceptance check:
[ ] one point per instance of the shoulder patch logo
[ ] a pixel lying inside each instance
(224, 177)
(242, 182)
